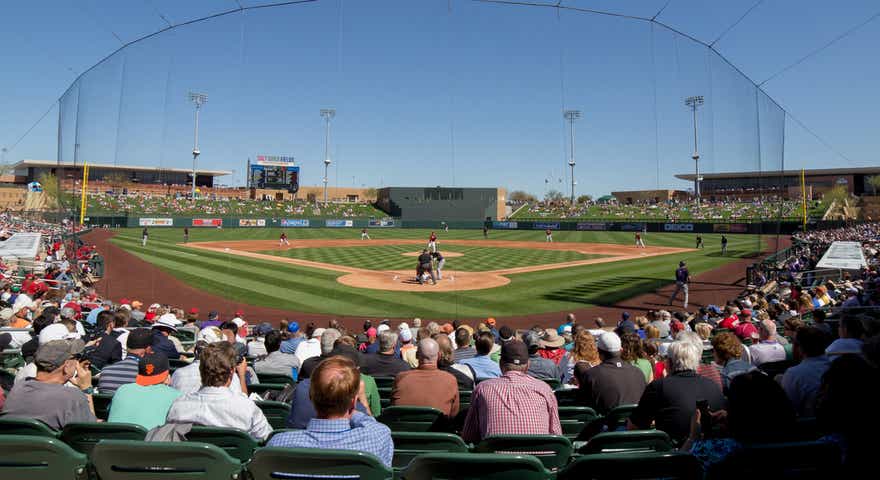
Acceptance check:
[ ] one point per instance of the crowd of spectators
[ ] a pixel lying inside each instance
(672, 211)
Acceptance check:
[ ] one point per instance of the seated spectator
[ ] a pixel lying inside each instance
(584, 353)
(215, 404)
(139, 343)
(552, 348)
(335, 392)
(385, 363)
(276, 362)
(162, 329)
(188, 379)
(819, 322)
(483, 366)
(513, 404)
(668, 403)
(427, 386)
(257, 347)
(48, 398)
(705, 370)
(802, 381)
(850, 332)
(613, 382)
(539, 367)
(463, 349)
(631, 351)
(146, 401)
(768, 349)
(408, 350)
(29, 348)
(311, 347)
(108, 349)
(328, 342)
(212, 321)
(663, 323)
(462, 373)
(728, 350)
(57, 331)
(293, 340)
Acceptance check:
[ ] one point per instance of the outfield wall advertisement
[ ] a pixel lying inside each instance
(155, 222)
(730, 228)
(295, 222)
(340, 223)
(545, 226)
(591, 226)
(505, 225)
(207, 222)
(678, 227)
(251, 222)
(385, 222)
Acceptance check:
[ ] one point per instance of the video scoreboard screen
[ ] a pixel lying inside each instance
(274, 175)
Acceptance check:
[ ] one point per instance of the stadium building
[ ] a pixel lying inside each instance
(786, 183)
(27, 171)
(443, 203)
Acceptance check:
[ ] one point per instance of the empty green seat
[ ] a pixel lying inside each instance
(629, 441)
(236, 443)
(25, 426)
(678, 465)
(475, 466)
(275, 378)
(384, 382)
(411, 419)
(617, 416)
(580, 414)
(102, 404)
(83, 437)
(553, 451)
(384, 392)
(134, 460)
(28, 457)
(276, 413)
(262, 388)
(408, 445)
(566, 397)
(819, 460)
(271, 463)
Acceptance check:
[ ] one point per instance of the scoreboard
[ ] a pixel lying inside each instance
(274, 175)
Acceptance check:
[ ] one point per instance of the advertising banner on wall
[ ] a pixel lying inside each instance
(590, 226)
(678, 227)
(730, 228)
(545, 225)
(207, 222)
(295, 222)
(632, 227)
(505, 225)
(251, 222)
(340, 223)
(155, 222)
(385, 222)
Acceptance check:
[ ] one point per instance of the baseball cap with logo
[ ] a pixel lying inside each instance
(52, 355)
(211, 335)
(152, 369)
(514, 352)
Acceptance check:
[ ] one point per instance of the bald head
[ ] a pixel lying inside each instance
(428, 351)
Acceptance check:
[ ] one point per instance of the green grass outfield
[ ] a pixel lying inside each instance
(292, 287)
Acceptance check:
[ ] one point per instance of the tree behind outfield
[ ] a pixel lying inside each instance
(521, 196)
(584, 198)
(553, 196)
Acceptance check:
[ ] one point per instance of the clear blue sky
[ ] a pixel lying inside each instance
(438, 92)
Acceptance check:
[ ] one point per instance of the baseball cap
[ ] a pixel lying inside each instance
(263, 329)
(372, 332)
(406, 335)
(52, 355)
(506, 333)
(168, 321)
(239, 313)
(293, 327)
(154, 307)
(317, 333)
(152, 369)
(624, 315)
(608, 342)
(139, 338)
(6, 314)
(382, 327)
(212, 315)
(211, 335)
(490, 321)
(681, 263)
(403, 326)
(124, 301)
(745, 313)
(194, 311)
(514, 352)
(55, 331)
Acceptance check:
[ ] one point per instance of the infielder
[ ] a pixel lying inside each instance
(639, 242)
(283, 240)
(432, 242)
(700, 241)
(144, 236)
(364, 234)
(723, 245)
(549, 234)
(682, 279)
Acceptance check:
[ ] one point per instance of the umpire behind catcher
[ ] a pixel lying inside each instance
(425, 267)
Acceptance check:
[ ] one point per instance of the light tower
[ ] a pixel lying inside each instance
(198, 99)
(694, 103)
(571, 116)
(327, 113)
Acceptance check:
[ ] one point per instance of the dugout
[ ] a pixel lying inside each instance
(443, 203)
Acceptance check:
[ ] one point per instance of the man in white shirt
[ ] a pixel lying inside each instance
(188, 379)
(768, 349)
(311, 347)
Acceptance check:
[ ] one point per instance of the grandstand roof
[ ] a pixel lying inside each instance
(49, 164)
(778, 173)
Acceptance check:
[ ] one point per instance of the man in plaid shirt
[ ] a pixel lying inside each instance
(514, 403)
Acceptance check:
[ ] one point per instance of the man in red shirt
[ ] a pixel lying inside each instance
(549, 234)
(432, 242)
(730, 319)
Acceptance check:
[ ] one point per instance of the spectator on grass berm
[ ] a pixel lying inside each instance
(802, 381)
(513, 404)
(385, 363)
(335, 394)
(138, 343)
(463, 347)
(277, 362)
(47, 397)
(705, 370)
(294, 337)
(215, 404)
(727, 350)
(328, 342)
(188, 379)
(584, 351)
(427, 386)
(257, 345)
(632, 351)
(108, 349)
(850, 332)
(539, 367)
(768, 349)
(445, 362)
(162, 330)
(669, 402)
(145, 402)
(482, 365)
(310, 347)
(613, 382)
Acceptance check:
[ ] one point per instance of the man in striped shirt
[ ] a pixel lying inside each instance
(139, 343)
(514, 403)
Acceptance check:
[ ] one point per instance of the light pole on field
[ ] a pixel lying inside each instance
(694, 103)
(198, 99)
(327, 113)
(571, 116)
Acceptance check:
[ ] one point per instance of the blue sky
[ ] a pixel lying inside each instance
(438, 92)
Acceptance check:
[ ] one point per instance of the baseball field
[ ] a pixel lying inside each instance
(334, 272)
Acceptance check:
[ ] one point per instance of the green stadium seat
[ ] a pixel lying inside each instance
(411, 419)
(134, 460)
(384, 382)
(566, 397)
(776, 368)
(384, 393)
(629, 441)
(236, 443)
(818, 460)
(185, 336)
(553, 451)
(271, 463)
(553, 382)
(28, 457)
(617, 416)
(708, 356)
(276, 412)
(102, 404)
(408, 445)
(83, 437)
(613, 466)
(464, 396)
(574, 419)
(275, 378)
(25, 426)
(474, 466)
(384, 403)
(261, 388)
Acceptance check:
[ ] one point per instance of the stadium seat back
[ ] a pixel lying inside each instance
(408, 445)
(102, 404)
(411, 419)
(27, 457)
(629, 441)
(276, 413)
(25, 426)
(789, 460)
(275, 378)
(553, 451)
(775, 368)
(474, 466)
(262, 388)
(384, 382)
(566, 397)
(236, 443)
(554, 383)
(139, 460)
(83, 437)
(273, 463)
(667, 465)
(617, 416)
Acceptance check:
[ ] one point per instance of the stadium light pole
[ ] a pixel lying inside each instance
(198, 99)
(571, 116)
(3, 152)
(694, 103)
(327, 113)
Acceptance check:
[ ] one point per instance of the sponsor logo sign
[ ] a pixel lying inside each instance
(590, 226)
(295, 222)
(678, 227)
(251, 222)
(730, 228)
(632, 227)
(505, 225)
(385, 222)
(155, 222)
(207, 222)
(545, 225)
(339, 223)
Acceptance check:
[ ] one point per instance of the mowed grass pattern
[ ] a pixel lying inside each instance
(391, 257)
(297, 288)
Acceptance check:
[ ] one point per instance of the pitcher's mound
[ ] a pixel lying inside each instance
(445, 254)
(405, 281)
